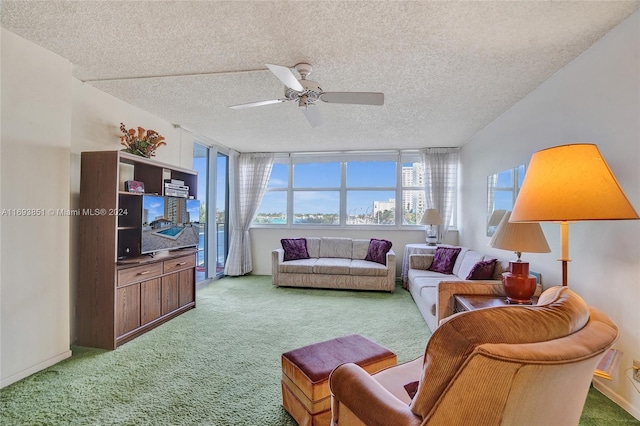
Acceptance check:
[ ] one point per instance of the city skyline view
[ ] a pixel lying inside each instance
(369, 192)
(155, 207)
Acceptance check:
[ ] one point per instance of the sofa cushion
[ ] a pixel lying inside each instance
(469, 259)
(378, 250)
(313, 246)
(482, 270)
(444, 259)
(294, 248)
(332, 266)
(360, 248)
(456, 266)
(302, 266)
(416, 275)
(336, 247)
(367, 268)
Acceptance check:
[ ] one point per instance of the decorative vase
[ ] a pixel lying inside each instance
(518, 285)
(138, 153)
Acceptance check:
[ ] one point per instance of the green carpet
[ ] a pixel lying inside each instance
(220, 363)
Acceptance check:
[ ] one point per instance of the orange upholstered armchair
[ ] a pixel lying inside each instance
(509, 365)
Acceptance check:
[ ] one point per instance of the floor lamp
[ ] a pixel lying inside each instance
(570, 183)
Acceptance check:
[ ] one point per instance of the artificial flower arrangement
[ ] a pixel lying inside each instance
(141, 142)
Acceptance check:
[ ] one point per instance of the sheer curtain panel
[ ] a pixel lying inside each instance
(441, 182)
(248, 177)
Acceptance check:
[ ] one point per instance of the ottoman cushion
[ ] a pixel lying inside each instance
(305, 372)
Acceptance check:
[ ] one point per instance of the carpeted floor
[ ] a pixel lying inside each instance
(220, 363)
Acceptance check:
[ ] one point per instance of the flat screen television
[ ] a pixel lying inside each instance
(169, 223)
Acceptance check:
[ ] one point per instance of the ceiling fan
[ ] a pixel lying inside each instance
(307, 92)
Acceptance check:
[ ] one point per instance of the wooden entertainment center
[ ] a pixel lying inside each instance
(122, 294)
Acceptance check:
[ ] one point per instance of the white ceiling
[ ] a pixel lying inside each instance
(447, 69)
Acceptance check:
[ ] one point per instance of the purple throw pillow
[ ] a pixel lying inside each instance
(444, 259)
(378, 250)
(482, 270)
(411, 389)
(294, 248)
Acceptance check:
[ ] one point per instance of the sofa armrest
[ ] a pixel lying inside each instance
(391, 260)
(420, 261)
(277, 257)
(354, 389)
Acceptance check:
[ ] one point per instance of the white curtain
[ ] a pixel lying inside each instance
(248, 177)
(440, 183)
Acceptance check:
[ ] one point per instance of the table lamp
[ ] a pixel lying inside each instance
(431, 217)
(518, 285)
(569, 183)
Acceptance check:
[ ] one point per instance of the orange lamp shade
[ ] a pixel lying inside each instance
(570, 183)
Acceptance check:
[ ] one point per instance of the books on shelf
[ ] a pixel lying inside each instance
(608, 365)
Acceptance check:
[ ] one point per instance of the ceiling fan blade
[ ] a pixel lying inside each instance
(361, 98)
(259, 103)
(314, 117)
(287, 78)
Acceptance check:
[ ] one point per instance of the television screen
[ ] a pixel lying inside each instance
(169, 223)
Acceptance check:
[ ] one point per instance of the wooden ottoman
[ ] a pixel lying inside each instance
(305, 374)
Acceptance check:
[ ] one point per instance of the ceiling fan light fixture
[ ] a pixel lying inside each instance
(303, 69)
(303, 102)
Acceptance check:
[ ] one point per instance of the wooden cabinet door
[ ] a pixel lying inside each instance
(186, 291)
(151, 300)
(127, 309)
(170, 301)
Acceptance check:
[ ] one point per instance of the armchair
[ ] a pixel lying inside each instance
(508, 365)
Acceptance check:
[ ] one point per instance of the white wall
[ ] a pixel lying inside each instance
(34, 267)
(48, 119)
(594, 99)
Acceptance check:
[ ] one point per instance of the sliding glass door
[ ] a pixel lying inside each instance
(222, 204)
(213, 193)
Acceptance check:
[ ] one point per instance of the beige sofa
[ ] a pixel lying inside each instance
(434, 292)
(334, 263)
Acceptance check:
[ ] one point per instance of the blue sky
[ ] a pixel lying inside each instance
(200, 165)
(155, 206)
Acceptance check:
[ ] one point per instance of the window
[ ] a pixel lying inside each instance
(413, 196)
(346, 189)
(273, 209)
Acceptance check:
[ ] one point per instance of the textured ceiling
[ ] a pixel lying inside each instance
(447, 69)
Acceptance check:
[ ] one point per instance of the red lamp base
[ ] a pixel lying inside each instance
(517, 284)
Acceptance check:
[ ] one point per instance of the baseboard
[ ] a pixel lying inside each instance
(31, 370)
(609, 393)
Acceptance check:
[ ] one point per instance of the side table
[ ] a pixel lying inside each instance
(470, 302)
(410, 249)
